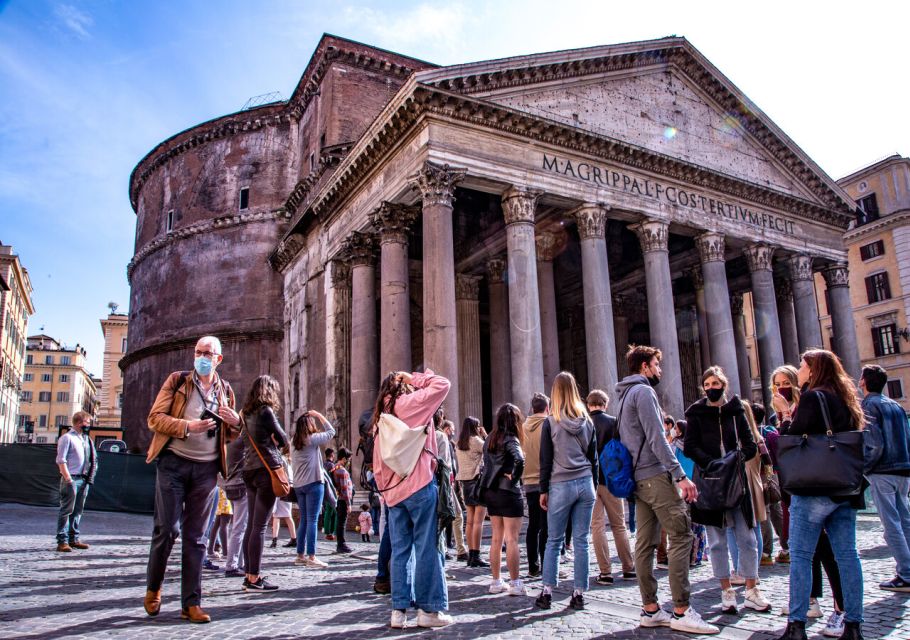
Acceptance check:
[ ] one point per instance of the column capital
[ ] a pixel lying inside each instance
(591, 219)
(519, 205)
(339, 271)
(622, 306)
(697, 276)
(496, 267)
(394, 220)
(653, 234)
(736, 304)
(759, 256)
(711, 247)
(547, 245)
(466, 287)
(783, 289)
(801, 267)
(837, 275)
(436, 183)
(360, 247)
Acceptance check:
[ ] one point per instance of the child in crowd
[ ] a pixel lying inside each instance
(366, 522)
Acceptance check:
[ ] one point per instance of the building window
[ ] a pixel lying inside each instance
(869, 205)
(64, 377)
(895, 389)
(28, 377)
(60, 421)
(884, 340)
(44, 396)
(26, 396)
(877, 287)
(29, 359)
(119, 400)
(42, 422)
(872, 250)
(170, 222)
(41, 439)
(63, 396)
(48, 359)
(23, 419)
(123, 345)
(244, 198)
(45, 377)
(312, 161)
(65, 360)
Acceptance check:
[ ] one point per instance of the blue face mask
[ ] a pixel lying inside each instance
(203, 366)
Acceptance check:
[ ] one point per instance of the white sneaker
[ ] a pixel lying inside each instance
(498, 585)
(317, 563)
(728, 601)
(399, 619)
(691, 622)
(660, 618)
(815, 611)
(737, 580)
(434, 619)
(517, 588)
(785, 610)
(755, 600)
(835, 626)
(302, 560)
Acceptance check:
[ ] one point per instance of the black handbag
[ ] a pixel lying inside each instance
(722, 484)
(829, 464)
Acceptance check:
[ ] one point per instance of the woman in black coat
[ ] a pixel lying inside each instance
(715, 427)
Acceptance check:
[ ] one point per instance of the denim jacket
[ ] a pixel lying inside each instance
(887, 442)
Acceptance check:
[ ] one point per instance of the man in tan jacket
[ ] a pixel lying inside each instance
(191, 450)
(536, 537)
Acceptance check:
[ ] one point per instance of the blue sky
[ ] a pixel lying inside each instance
(87, 87)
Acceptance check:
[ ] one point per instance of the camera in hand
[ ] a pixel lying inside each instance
(208, 414)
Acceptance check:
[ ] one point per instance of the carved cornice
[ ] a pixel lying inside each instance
(837, 275)
(330, 157)
(736, 304)
(286, 250)
(759, 256)
(466, 287)
(591, 220)
(697, 277)
(339, 271)
(227, 334)
(436, 183)
(394, 221)
(783, 290)
(547, 245)
(496, 268)
(360, 248)
(205, 226)
(711, 247)
(801, 267)
(652, 234)
(519, 205)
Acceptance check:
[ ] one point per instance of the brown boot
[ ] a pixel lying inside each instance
(152, 602)
(195, 614)
(78, 545)
(62, 546)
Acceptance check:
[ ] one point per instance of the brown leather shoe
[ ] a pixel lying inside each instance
(195, 614)
(152, 602)
(64, 547)
(78, 545)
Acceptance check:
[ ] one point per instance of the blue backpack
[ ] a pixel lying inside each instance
(616, 463)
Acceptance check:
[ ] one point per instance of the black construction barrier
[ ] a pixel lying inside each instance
(29, 475)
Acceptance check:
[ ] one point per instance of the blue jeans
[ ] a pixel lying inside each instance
(744, 543)
(385, 551)
(890, 496)
(570, 500)
(734, 548)
(418, 576)
(72, 503)
(808, 516)
(309, 500)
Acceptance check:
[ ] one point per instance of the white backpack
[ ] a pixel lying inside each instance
(400, 446)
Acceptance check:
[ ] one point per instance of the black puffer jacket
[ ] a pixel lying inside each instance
(262, 425)
(702, 445)
(507, 459)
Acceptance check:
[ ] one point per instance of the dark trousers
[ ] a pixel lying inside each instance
(260, 500)
(183, 499)
(219, 533)
(385, 553)
(824, 557)
(536, 536)
(341, 522)
(72, 502)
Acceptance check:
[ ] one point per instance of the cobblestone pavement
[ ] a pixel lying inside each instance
(98, 593)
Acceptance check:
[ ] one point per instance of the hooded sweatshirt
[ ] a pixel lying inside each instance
(641, 429)
(533, 428)
(568, 451)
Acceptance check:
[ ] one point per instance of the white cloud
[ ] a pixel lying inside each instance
(442, 27)
(75, 20)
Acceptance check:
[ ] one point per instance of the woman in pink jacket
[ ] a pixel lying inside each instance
(417, 567)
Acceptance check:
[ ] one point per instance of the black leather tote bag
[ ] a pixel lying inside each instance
(722, 484)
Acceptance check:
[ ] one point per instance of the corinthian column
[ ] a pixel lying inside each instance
(787, 320)
(393, 222)
(500, 341)
(711, 248)
(436, 185)
(764, 303)
(698, 281)
(654, 235)
(742, 351)
(600, 343)
(837, 278)
(466, 289)
(805, 306)
(549, 333)
(338, 346)
(361, 247)
(518, 207)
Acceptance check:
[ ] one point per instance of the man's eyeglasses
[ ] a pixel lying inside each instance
(205, 354)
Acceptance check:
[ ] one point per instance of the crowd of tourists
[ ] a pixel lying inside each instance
(718, 486)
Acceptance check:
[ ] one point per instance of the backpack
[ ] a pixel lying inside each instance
(616, 462)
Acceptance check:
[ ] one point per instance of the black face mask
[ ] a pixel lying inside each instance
(714, 394)
(786, 393)
(653, 380)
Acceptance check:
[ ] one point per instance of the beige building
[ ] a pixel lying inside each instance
(110, 394)
(55, 385)
(15, 308)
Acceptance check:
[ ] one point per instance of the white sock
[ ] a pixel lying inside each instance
(577, 592)
(547, 590)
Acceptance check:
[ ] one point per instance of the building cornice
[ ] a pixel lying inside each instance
(897, 219)
(224, 332)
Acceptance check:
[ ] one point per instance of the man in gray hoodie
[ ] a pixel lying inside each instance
(659, 480)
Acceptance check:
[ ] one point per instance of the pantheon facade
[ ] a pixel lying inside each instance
(497, 222)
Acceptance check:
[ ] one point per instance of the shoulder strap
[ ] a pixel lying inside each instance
(256, 448)
(823, 404)
(644, 438)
